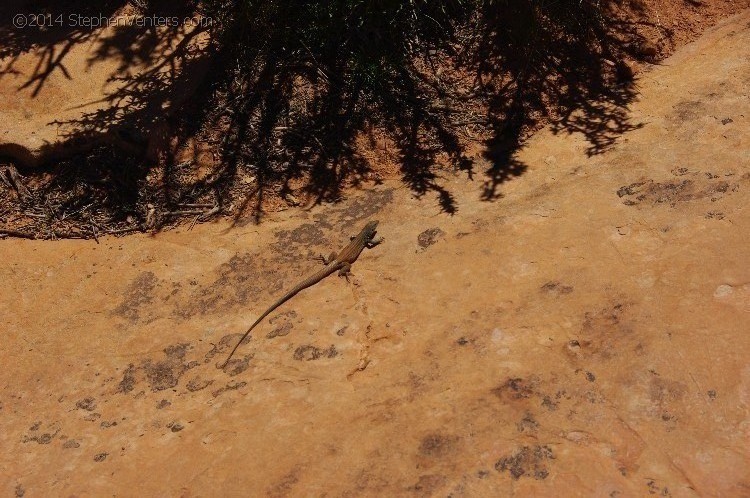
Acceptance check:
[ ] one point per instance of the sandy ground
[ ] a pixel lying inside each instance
(586, 334)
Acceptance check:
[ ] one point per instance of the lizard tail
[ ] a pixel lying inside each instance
(316, 277)
(244, 336)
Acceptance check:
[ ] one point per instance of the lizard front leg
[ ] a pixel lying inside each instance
(329, 260)
(372, 243)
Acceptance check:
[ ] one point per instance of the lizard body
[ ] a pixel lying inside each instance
(340, 262)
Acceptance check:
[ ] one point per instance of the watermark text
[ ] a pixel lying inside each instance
(43, 21)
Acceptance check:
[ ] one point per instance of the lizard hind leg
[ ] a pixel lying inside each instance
(345, 271)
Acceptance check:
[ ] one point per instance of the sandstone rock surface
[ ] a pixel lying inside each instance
(584, 334)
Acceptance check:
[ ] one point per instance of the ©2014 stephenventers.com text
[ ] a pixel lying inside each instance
(83, 21)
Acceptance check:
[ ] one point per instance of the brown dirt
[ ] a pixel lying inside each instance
(585, 331)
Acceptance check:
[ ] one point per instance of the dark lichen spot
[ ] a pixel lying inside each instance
(527, 461)
(280, 331)
(673, 192)
(429, 237)
(43, 438)
(365, 207)
(162, 374)
(128, 381)
(679, 171)
(428, 484)
(237, 365)
(515, 388)
(231, 386)
(88, 404)
(284, 486)
(309, 352)
(549, 404)
(305, 235)
(242, 278)
(175, 426)
(557, 288)
(138, 294)
(631, 189)
(198, 384)
(437, 445)
(662, 391)
(688, 111)
(527, 424)
(162, 404)
(654, 489)
(226, 344)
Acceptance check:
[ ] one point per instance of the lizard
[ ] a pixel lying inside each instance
(341, 262)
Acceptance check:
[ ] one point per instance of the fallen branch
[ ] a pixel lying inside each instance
(93, 232)
(15, 178)
(68, 235)
(215, 210)
(198, 205)
(182, 213)
(125, 230)
(16, 233)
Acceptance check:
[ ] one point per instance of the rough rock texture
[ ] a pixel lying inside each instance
(584, 333)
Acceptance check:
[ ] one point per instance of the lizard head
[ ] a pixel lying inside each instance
(371, 228)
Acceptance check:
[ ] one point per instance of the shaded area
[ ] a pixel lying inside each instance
(427, 77)
(99, 181)
(298, 94)
(552, 63)
(47, 25)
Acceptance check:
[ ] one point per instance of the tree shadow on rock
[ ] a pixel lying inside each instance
(432, 76)
(51, 28)
(304, 90)
(555, 62)
(295, 88)
(107, 154)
